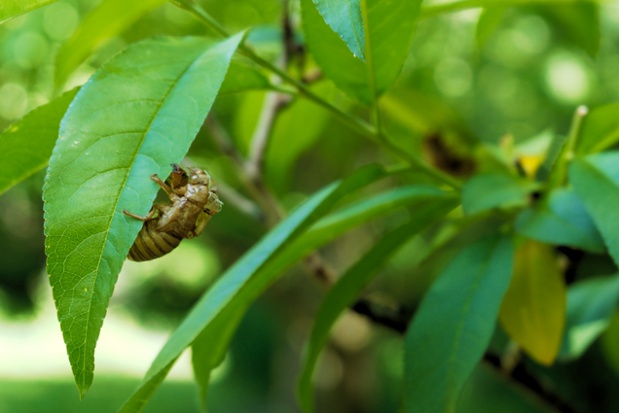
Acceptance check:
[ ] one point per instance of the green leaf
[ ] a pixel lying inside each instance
(561, 220)
(344, 17)
(533, 310)
(590, 307)
(108, 19)
(208, 353)
(388, 30)
(600, 129)
(350, 285)
(243, 75)
(596, 181)
(490, 191)
(578, 22)
(610, 343)
(134, 117)
(236, 289)
(13, 8)
(26, 146)
(454, 324)
(489, 21)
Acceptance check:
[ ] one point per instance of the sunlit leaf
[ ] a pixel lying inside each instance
(344, 17)
(26, 146)
(13, 8)
(561, 220)
(596, 181)
(350, 285)
(105, 21)
(247, 278)
(134, 117)
(489, 191)
(600, 129)
(388, 30)
(533, 311)
(590, 306)
(454, 324)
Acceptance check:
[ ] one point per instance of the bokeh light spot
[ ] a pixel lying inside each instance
(567, 78)
(60, 21)
(13, 101)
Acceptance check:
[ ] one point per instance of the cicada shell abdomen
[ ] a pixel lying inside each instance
(151, 243)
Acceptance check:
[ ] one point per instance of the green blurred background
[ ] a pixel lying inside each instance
(520, 72)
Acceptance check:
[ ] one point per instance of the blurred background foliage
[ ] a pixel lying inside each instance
(473, 77)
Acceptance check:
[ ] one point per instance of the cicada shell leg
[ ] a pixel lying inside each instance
(148, 216)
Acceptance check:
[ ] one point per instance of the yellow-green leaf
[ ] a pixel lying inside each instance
(533, 310)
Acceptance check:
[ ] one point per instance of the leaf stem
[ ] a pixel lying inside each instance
(559, 172)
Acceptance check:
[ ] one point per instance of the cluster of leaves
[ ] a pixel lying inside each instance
(142, 109)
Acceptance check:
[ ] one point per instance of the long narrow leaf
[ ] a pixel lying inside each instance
(453, 325)
(208, 353)
(242, 282)
(14, 8)
(350, 285)
(25, 147)
(596, 181)
(137, 115)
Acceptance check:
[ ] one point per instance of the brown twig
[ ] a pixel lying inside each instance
(273, 104)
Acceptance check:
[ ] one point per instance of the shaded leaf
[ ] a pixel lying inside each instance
(26, 146)
(610, 342)
(578, 22)
(134, 117)
(344, 17)
(350, 285)
(209, 353)
(561, 220)
(489, 191)
(454, 324)
(600, 129)
(596, 181)
(533, 311)
(388, 30)
(590, 306)
(13, 8)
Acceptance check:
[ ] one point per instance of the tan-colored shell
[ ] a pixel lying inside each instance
(193, 202)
